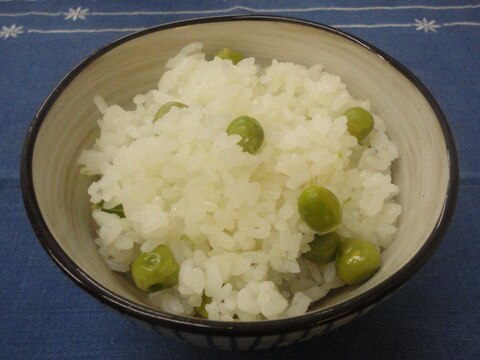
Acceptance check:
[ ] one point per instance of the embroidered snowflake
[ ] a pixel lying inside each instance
(426, 25)
(77, 13)
(11, 31)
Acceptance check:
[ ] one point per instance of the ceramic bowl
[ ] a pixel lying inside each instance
(56, 198)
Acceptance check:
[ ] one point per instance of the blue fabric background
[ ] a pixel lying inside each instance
(43, 315)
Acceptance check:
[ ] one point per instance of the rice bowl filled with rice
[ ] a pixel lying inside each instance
(229, 217)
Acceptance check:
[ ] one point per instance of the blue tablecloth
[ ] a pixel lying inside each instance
(43, 315)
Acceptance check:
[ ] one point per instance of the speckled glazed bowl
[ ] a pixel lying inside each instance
(56, 195)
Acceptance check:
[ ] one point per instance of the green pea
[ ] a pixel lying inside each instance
(320, 209)
(117, 210)
(201, 310)
(323, 248)
(357, 260)
(165, 108)
(155, 270)
(359, 122)
(251, 132)
(228, 54)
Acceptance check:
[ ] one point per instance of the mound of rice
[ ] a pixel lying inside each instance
(230, 217)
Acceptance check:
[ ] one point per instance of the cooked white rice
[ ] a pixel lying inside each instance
(229, 217)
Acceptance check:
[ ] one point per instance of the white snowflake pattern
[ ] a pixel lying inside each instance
(11, 31)
(426, 25)
(77, 13)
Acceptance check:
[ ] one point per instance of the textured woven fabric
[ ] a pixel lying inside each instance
(43, 315)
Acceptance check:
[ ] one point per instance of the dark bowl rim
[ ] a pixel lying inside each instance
(177, 323)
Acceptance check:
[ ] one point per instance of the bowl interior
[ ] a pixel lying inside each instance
(69, 126)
